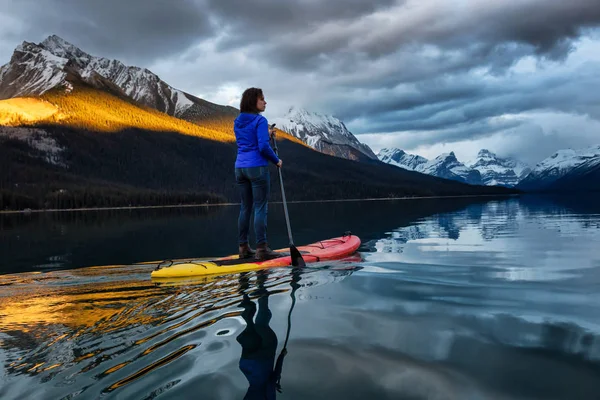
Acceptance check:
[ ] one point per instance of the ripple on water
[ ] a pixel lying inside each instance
(495, 300)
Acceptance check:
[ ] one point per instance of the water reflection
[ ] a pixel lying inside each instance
(77, 331)
(494, 300)
(53, 241)
(259, 342)
(501, 236)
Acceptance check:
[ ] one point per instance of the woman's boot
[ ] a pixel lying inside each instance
(245, 251)
(263, 252)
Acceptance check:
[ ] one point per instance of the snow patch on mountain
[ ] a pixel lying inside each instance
(47, 147)
(181, 101)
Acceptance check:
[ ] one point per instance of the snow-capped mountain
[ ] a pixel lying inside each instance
(324, 133)
(447, 166)
(55, 63)
(496, 171)
(444, 166)
(563, 167)
(400, 158)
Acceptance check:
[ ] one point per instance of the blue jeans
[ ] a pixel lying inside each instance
(255, 185)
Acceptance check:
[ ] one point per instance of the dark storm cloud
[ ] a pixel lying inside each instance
(305, 34)
(424, 66)
(132, 30)
(442, 71)
(278, 28)
(451, 102)
(264, 20)
(479, 129)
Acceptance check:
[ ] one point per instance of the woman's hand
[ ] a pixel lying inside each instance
(272, 132)
(280, 163)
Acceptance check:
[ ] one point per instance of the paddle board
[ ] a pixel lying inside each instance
(330, 249)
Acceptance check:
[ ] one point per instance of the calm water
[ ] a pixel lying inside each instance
(450, 299)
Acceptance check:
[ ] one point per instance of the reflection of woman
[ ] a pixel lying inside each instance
(259, 345)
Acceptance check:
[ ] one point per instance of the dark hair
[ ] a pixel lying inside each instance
(249, 100)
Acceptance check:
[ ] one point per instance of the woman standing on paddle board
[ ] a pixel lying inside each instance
(252, 172)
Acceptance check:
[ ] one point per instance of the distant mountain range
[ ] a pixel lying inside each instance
(84, 131)
(566, 170)
(487, 169)
(330, 135)
(447, 166)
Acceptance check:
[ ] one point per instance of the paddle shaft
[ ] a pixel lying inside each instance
(295, 286)
(296, 276)
(285, 209)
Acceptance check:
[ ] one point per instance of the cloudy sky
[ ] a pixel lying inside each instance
(519, 77)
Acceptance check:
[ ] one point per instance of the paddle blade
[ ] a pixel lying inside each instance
(297, 260)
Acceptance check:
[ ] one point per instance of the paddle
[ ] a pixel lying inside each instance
(297, 260)
(294, 284)
(296, 276)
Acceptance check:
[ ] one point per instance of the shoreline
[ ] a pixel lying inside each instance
(26, 211)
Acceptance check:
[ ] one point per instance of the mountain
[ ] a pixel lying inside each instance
(447, 166)
(72, 139)
(35, 69)
(496, 171)
(401, 159)
(444, 166)
(585, 177)
(54, 166)
(566, 170)
(324, 133)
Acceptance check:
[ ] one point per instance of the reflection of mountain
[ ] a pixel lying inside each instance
(401, 236)
(497, 218)
(494, 219)
(447, 225)
(129, 236)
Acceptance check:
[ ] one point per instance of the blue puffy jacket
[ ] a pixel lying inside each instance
(252, 137)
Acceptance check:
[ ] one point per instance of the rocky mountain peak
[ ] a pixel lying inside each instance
(485, 153)
(400, 158)
(447, 166)
(35, 69)
(324, 133)
(61, 48)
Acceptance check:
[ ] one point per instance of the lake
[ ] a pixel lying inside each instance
(458, 298)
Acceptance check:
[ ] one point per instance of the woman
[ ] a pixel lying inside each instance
(252, 172)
